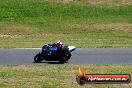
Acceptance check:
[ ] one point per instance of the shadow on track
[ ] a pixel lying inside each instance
(50, 62)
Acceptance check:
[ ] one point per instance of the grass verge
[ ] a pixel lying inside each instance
(56, 75)
(32, 23)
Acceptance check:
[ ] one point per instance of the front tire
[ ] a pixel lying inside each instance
(66, 57)
(38, 58)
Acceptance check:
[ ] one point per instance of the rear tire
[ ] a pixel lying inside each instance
(38, 58)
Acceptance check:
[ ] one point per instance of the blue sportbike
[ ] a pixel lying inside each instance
(52, 53)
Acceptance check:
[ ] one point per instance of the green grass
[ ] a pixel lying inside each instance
(32, 23)
(83, 23)
(56, 76)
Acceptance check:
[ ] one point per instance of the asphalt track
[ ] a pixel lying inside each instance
(79, 56)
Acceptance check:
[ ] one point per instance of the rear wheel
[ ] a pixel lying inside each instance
(38, 58)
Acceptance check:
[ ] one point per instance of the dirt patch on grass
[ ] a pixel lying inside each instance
(42, 35)
(120, 26)
(15, 30)
(98, 2)
(50, 34)
(65, 1)
(110, 2)
(62, 1)
(10, 36)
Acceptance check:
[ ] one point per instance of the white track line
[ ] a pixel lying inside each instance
(26, 48)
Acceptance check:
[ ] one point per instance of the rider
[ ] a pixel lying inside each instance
(58, 44)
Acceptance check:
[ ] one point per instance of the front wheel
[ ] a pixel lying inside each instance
(38, 58)
(66, 57)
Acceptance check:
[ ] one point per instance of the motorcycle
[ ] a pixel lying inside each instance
(51, 53)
